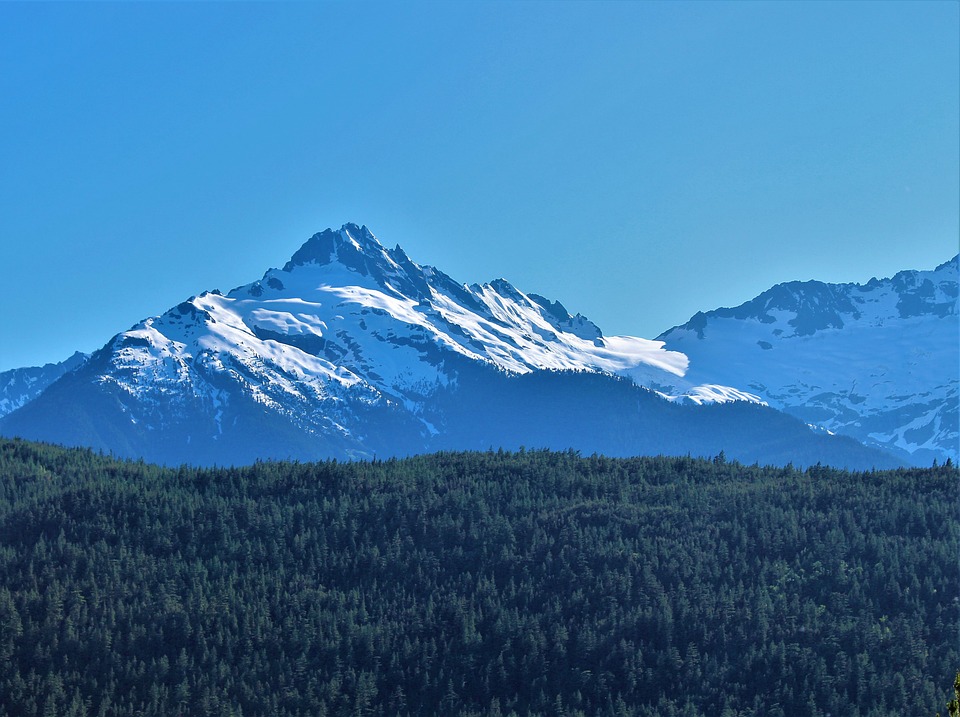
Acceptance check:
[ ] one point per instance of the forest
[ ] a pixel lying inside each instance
(474, 584)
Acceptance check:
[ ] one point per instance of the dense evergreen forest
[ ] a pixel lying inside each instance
(528, 583)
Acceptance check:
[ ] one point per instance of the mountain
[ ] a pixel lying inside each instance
(19, 386)
(353, 350)
(878, 361)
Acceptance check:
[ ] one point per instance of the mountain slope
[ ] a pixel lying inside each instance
(353, 350)
(878, 361)
(19, 386)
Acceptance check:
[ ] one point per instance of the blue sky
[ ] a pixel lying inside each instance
(637, 161)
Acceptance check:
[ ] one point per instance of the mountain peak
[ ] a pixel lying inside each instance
(355, 248)
(348, 245)
(949, 264)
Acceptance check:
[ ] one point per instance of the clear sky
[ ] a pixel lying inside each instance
(637, 161)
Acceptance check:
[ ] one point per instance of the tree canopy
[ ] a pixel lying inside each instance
(474, 584)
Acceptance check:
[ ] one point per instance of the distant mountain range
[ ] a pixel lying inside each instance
(19, 386)
(353, 350)
(878, 361)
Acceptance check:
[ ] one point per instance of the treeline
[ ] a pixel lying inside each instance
(530, 583)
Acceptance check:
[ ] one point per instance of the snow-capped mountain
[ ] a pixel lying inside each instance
(878, 361)
(19, 386)
(345, 313)
(352, 349)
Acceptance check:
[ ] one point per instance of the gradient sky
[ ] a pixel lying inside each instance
(637, 161)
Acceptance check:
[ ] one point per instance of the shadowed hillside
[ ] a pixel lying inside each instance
(530, 583)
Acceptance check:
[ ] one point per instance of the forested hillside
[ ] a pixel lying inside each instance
(532, 583)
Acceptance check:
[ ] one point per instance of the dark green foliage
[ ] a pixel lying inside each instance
(533, 583)
(953, 706)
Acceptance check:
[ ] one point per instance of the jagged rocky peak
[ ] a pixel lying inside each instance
(77, 359)
(950, 265)
(356, 248)
(807, 307)
(351, 245)
(506, 289)
(557, 314)
(815, 306)
(928, 292)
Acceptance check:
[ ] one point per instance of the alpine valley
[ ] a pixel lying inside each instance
(352, 350)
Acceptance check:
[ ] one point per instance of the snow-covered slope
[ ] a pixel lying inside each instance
(346, 314)
(878, 361)
(352, 350)
(19, 386)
